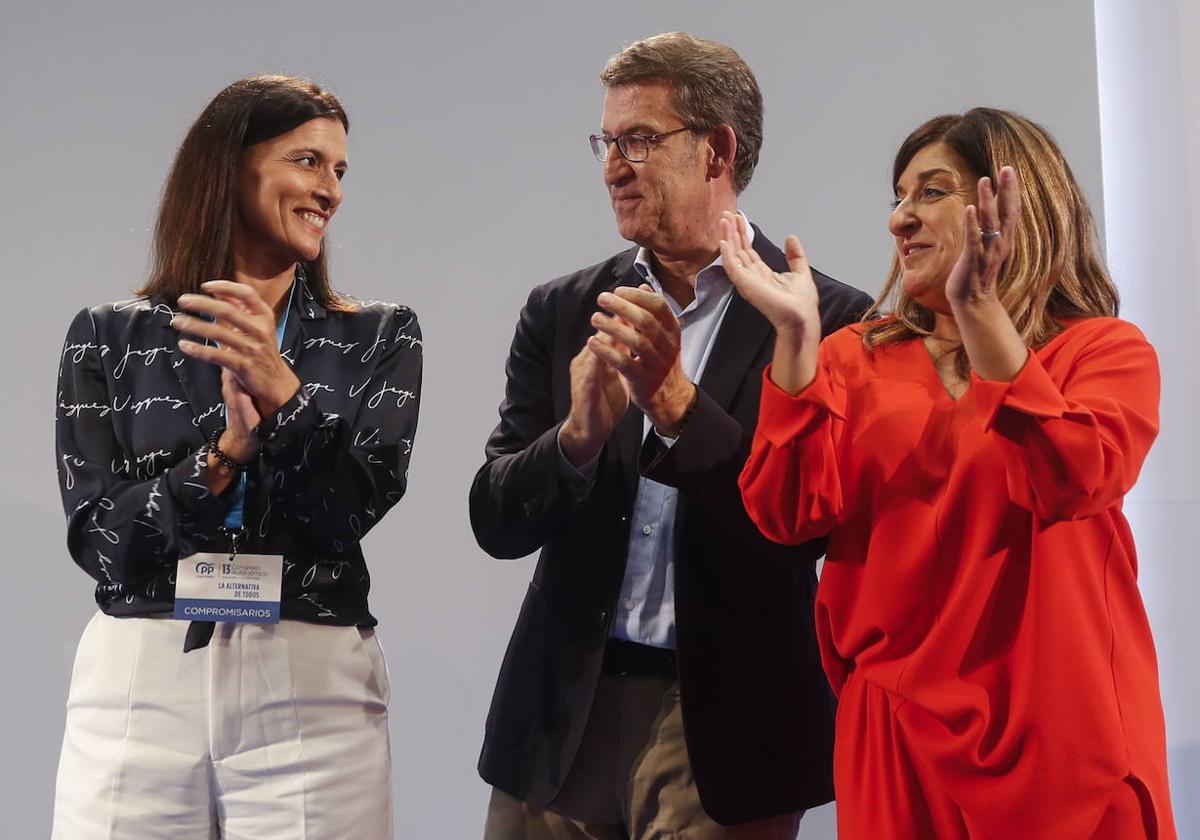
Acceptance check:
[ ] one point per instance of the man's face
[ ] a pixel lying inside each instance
(660, 202)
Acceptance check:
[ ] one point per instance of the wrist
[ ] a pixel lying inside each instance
(793, 329)
(230, 452)
(577, 445)
(794, 363)
(277, 397)
(670, 414)
(977, 307)
(798, 333)
(799, 325)
(994, 347)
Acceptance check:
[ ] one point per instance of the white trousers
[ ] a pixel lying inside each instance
(272, 732)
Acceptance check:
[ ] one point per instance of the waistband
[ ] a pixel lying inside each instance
(630, 659)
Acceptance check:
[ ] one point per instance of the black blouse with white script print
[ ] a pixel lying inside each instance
(133, 417)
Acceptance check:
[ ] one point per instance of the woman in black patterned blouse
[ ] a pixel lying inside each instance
(237, 424)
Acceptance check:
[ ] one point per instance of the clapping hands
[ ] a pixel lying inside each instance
(255, 380)
(244, 331)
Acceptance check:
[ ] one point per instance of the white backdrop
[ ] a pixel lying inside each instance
(470, 182)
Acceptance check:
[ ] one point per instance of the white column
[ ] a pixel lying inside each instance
(1149, 82)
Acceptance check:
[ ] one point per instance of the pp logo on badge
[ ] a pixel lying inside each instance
(223, 587)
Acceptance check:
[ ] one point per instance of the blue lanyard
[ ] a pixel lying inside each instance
(233, 519)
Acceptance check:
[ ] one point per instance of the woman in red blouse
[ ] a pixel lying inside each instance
(968, 455)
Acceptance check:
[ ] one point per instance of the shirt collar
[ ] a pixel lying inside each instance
(711, 281)
(303, 299)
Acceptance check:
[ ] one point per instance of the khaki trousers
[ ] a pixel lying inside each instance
(630, 781)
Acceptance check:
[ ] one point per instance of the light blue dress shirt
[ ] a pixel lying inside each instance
(645, 610)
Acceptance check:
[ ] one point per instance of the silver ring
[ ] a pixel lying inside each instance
(988, 235)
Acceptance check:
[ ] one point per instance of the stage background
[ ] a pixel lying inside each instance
(471, 181)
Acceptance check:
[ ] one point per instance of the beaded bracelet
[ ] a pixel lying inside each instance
(223, 459)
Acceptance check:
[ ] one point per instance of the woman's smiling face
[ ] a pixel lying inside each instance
(932, 196)
(288, 188)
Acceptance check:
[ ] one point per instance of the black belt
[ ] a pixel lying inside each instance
(629, 659)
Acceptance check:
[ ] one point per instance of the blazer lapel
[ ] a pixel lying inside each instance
(741, 337)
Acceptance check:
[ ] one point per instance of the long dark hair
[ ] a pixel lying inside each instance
(193, 235)
(1053, 272)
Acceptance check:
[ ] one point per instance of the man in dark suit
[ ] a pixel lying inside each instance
(663, 675)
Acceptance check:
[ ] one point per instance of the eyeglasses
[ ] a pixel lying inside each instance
(635, 148)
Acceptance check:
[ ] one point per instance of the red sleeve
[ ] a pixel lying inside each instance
(790, 484)
(1073, 450)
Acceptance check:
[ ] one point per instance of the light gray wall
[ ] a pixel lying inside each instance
(471, 181)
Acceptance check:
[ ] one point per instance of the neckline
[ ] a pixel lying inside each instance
(937, 374)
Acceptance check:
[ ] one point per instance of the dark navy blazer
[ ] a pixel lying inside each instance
(757, 710)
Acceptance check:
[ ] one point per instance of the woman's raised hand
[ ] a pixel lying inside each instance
(788, 300)
(987, 241)
(994, 347)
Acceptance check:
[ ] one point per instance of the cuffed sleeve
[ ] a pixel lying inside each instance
(783, 417)
(577, 480)
(337, 476)
(791, 484)
(1072, 450)
(121, 528)
(522, 491)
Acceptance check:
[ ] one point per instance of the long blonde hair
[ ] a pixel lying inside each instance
(1052, 272)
